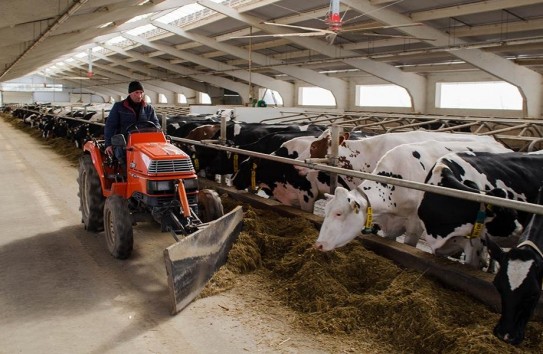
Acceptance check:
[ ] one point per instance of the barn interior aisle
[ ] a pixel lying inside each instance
(276, 293)
(62, 293)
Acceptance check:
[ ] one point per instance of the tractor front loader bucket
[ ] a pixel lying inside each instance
(191, 262)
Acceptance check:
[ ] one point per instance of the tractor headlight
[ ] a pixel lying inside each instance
(154, 187)
(191, 183)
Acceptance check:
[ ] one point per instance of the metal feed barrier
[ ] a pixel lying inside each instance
(527, 132)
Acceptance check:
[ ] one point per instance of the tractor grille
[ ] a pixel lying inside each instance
(168, 166)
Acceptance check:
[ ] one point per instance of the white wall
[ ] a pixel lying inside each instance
(17, 97)
(470, 76)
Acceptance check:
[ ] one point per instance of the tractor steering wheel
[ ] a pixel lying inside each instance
(143, 126)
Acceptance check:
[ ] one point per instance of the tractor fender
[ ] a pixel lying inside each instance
(92, 149)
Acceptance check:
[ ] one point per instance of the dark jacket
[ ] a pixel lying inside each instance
(122, 116)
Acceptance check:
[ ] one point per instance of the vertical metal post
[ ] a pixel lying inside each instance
(335, 131)
(164, 122)
(223, 130)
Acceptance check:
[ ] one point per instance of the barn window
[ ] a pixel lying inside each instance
(478, 95)
(382, 96)
(271, 97)
(315, 96)
(162, 98)
(181, 99)
(147, 99)
(203, 98)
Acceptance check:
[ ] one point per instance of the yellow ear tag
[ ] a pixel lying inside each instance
(196, 163)
(369, 218)
(478, 225)
(477, 228)
(253, 177)
(235, 163)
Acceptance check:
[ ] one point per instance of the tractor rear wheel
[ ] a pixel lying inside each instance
(209, 205)
(118, 227)
(90, 195)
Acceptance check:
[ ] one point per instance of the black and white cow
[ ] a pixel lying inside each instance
(393, 208)
(449, 222)
(359, 155)
(228, 163)
(272, 176)
(239, 134)
(519, 280)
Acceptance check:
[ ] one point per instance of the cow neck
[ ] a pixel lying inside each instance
(368, 226)
(531, 245)
(479, 223)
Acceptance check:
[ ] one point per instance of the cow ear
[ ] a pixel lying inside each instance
(343, 137)
(328, 196)
(494, 250)
(343, 194)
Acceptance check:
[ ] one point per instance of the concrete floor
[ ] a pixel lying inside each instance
(61, 291)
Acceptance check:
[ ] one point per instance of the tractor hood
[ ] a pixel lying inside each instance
(161, 151)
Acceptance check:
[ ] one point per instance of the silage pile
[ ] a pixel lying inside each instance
(352, 290)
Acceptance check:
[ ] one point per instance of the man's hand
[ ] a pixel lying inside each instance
(109, 150)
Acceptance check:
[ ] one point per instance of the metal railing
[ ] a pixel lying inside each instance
(480, 198)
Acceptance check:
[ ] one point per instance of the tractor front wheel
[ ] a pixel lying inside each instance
(90, 195)
(209, 205)
(118, 227)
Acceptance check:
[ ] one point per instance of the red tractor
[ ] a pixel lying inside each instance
(158, 182)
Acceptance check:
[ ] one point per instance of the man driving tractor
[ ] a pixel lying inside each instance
(132, 109)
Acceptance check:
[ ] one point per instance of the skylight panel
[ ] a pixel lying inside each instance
(142, 29)
(183, 11)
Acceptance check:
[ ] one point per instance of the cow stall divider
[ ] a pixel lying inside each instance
(516, 133)
(318, 165)
(480, 198)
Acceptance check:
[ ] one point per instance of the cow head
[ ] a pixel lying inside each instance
(344, 219)
(519, 283)
(319, 148)
(519, 280)
(450, 219)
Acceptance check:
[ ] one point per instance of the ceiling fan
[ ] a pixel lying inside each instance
(335, 23)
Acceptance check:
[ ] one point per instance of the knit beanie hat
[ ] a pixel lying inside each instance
(135, 86)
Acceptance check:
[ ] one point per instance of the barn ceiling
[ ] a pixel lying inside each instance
(64, 39)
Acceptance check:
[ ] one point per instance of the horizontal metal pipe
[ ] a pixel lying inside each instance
(479, 198)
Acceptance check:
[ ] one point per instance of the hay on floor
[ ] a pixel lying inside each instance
(352, 290)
